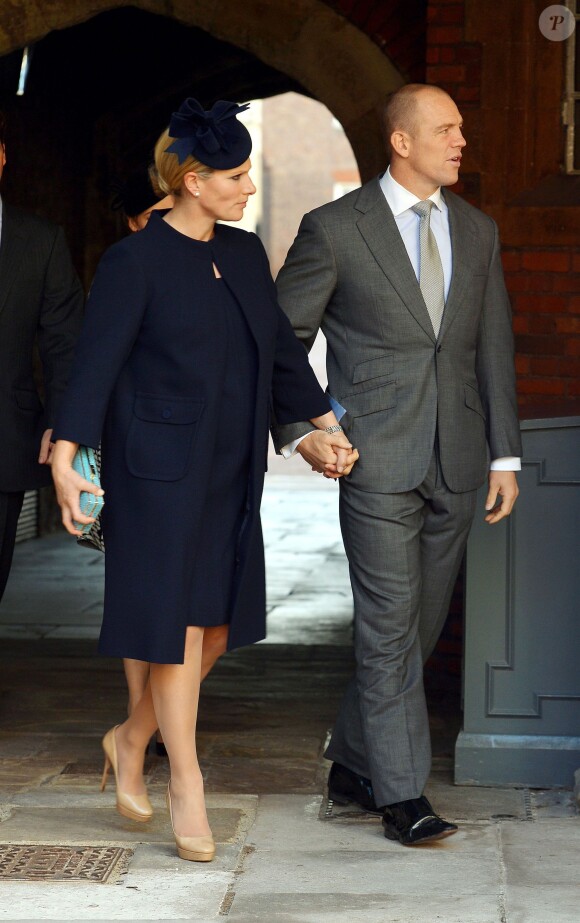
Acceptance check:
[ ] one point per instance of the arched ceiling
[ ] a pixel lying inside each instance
(250, 49)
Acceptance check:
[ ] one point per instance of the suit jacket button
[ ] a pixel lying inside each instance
(439, 348)
(166, 413)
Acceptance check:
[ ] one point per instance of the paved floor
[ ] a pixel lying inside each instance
(284, 852)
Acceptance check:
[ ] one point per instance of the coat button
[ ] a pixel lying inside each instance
(166, 413)
(439, 348)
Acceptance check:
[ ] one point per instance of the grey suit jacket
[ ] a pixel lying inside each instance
(348, 273)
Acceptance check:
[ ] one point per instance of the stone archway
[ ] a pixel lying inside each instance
(305, 39)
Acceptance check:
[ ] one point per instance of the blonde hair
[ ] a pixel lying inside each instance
(168, 175)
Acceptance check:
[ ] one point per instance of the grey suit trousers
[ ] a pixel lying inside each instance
(404, 552)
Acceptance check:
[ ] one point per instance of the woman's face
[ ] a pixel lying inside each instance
(224, 195)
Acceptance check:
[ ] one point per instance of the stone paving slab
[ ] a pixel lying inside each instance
(166, 895)
(265, 713)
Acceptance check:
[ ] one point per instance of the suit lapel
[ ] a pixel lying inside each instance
(381, 234)
(464, 251)
(11, 251)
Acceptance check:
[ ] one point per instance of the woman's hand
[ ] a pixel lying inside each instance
(69, 484)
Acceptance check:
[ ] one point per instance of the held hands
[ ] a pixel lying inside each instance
(503, 486)
(331, 454)
(69, 484)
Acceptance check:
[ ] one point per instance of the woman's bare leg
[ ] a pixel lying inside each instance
(137, 676)
(131, 739)
(175, 690)
(215, 643)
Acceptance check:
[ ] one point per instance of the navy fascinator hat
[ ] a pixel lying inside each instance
(213, 136)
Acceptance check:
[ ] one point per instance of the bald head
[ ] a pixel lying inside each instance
(401, 108)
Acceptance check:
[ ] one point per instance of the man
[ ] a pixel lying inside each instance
(41, 303)
(405, 280)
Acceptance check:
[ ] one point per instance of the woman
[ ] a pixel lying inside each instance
(183, 351)
(136, 198)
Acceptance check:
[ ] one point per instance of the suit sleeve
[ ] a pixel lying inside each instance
(59, 323)
(115, 309)
(305, 285)
(495, 363)
(296, 393)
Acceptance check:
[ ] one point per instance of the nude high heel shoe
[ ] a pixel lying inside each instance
(135, 807)
(194, 848)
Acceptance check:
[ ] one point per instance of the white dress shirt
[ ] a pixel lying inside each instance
(401, 202)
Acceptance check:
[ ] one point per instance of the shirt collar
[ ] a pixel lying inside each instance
(400, 199)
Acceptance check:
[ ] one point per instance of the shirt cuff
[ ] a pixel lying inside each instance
(290, 449)
(509, 463)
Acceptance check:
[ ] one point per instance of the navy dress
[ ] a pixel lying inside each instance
(175, 375)
(225, 508)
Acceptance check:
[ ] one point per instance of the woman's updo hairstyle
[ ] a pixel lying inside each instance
(169, 172)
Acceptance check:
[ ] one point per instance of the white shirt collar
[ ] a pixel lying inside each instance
(400, 199)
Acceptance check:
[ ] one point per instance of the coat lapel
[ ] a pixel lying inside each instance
(381, 234)
(12, 246)
(247, 287)
(464, 251)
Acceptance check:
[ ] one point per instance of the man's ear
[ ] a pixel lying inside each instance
(400, 143)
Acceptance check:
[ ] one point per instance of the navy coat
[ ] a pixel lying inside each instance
(147, 383)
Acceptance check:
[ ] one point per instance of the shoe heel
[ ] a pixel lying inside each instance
(338, 798)
(105, 773)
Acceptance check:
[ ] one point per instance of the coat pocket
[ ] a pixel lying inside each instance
(373, 368)
(371, 401)
(161, 435)
(28, 400)
(473, 400)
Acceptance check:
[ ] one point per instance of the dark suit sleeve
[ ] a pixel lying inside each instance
(59, 323)
(495, 363)
(113, 317)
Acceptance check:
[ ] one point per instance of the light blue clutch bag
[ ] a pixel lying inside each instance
(86, 462)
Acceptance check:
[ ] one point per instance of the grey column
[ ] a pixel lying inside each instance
(522, 632)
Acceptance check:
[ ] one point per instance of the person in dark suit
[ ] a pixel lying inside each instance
(405, 280)
(135, 197)
(41, 303)
(183, 351)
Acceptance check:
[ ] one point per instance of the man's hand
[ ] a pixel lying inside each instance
(46, 447)
(330, 454)
(502, 485)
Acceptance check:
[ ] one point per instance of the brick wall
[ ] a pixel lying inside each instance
(543, 280)
(542, 268)
(544, 286)
(396, 26)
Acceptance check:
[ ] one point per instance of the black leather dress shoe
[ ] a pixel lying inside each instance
(414, 822)
(346, 786)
